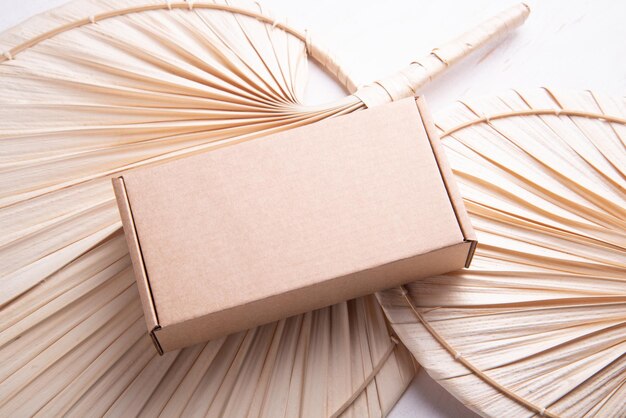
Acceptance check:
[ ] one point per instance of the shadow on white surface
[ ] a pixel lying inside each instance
(425, 398)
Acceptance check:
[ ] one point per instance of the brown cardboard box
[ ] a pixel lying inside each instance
(251, 233)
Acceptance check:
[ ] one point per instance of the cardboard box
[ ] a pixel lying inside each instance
(247, 234)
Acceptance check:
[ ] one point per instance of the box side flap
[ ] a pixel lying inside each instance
(448, 178)
(305, 299)
(143, 285)
(155, 340)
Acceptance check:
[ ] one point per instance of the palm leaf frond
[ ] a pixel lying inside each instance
(112, 93)
(537, 325)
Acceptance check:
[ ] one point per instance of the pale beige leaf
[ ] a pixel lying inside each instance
(537, 325)
(88, 101)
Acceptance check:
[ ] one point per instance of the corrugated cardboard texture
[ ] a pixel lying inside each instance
(247, 234)
(448, 178)
(135, 253)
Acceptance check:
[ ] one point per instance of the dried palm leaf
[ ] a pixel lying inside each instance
(96, 87)
(537, 326)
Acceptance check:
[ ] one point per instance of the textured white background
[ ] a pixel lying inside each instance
(574, 44)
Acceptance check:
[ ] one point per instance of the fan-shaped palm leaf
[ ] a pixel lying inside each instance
(96, 87)
(537, 326)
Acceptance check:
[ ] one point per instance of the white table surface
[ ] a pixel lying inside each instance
(572, 44)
